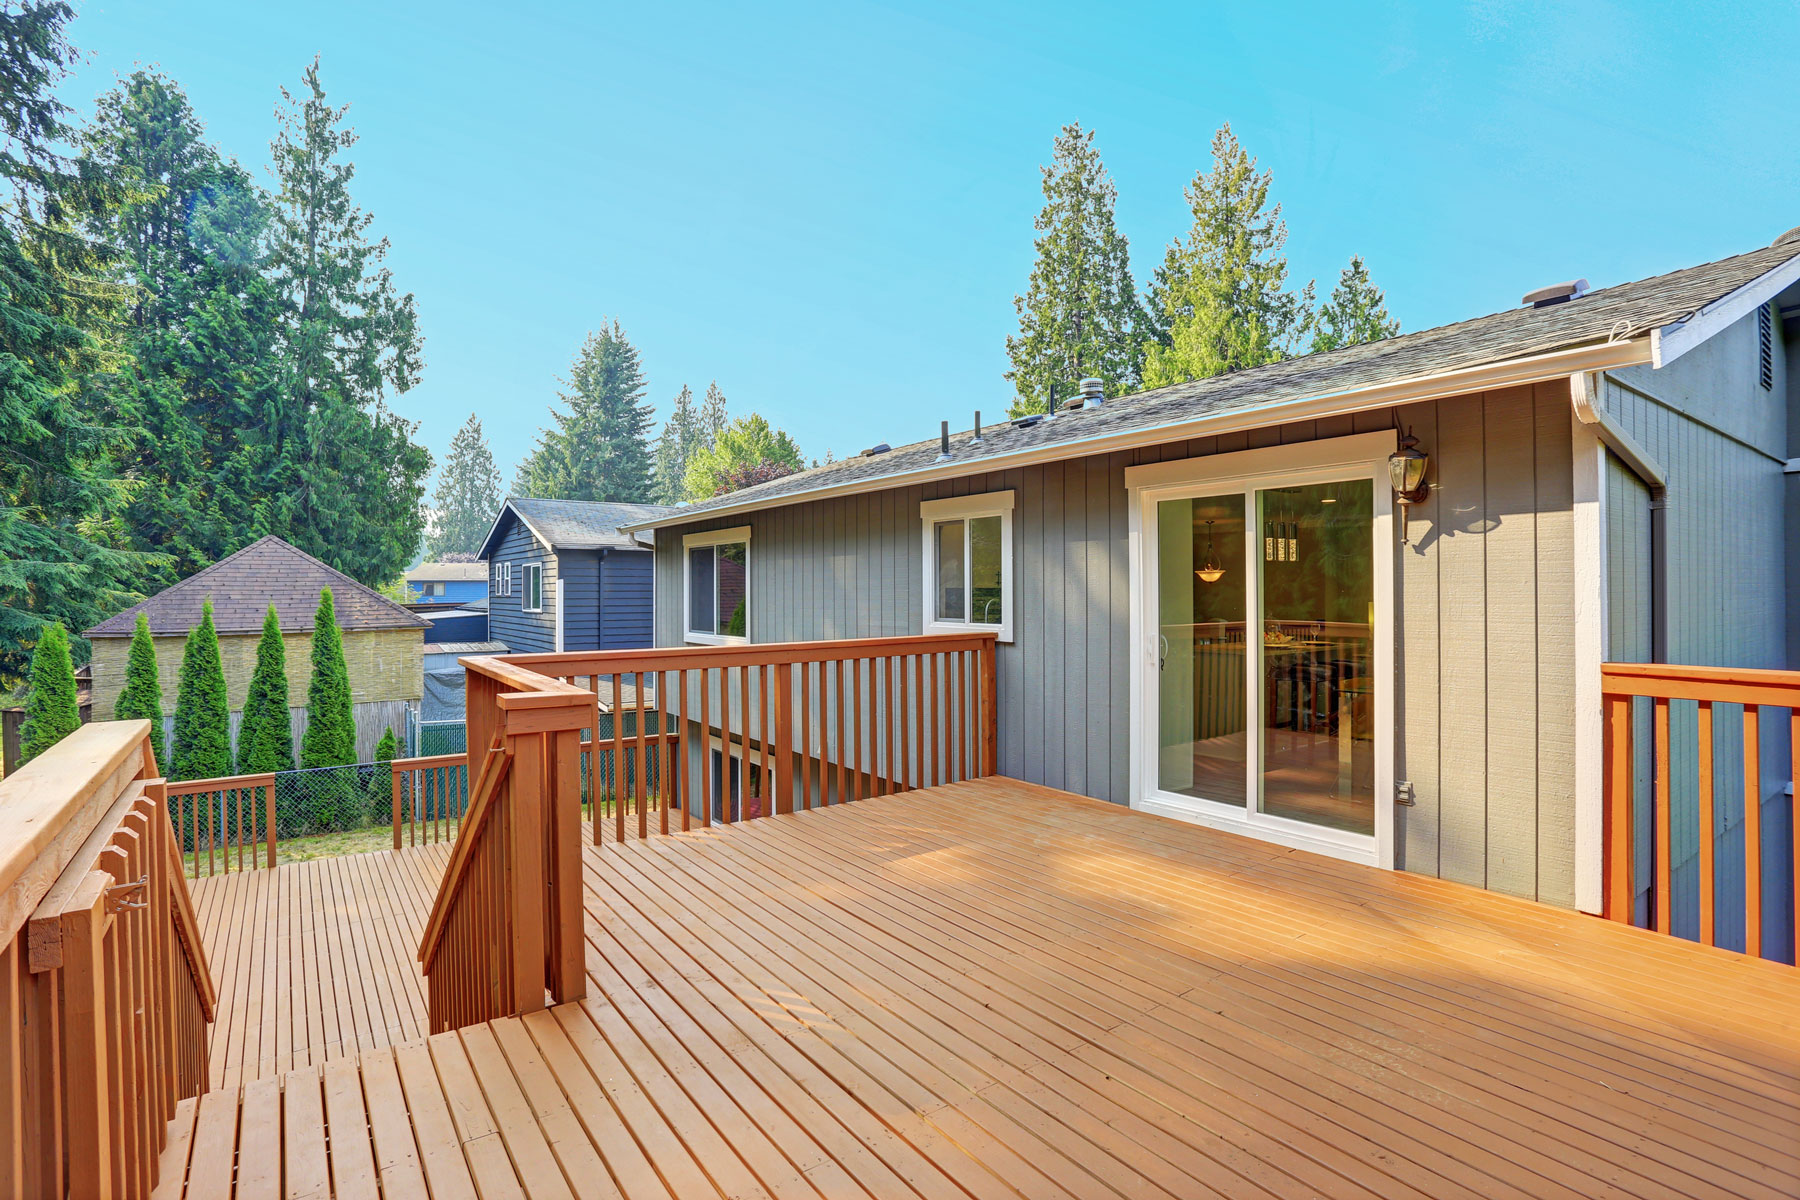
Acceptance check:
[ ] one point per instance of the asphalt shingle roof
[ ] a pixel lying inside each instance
(1611, 314)
(584, 524)
(243, 585)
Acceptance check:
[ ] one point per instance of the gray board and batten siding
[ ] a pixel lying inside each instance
(1485, 600)
(1723, 440)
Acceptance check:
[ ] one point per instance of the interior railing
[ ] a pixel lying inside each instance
(1699, 771)
(105, 995)
(697, 736)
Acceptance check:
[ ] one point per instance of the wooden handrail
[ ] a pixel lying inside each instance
(1714, 693)
(494, 766)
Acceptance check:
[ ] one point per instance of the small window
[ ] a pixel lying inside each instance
(717, 587)
(968, 564)
(1765, 331)
(531, 585)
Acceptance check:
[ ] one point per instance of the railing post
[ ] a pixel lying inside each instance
(525, 876)
(269, 817)
(87, 1095)
(990, 711)
(394, 781)
(569, 978)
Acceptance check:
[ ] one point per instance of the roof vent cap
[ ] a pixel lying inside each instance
(1093, 393)
(1790, 238)
(877, 448)
(1556, 293)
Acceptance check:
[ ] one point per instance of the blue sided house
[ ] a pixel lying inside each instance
(448, 582)
(560, 576)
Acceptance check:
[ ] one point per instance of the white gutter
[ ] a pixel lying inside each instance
(1536, 369)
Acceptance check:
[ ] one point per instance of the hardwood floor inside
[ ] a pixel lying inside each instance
(993, 989)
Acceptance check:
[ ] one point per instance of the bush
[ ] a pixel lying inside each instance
(265, 737)
(202, 747)
(330, 739)
(51, 711)
(381, 778)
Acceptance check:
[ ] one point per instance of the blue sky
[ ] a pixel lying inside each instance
(828, 208)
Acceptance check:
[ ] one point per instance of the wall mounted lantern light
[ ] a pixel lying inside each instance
(1406, 471)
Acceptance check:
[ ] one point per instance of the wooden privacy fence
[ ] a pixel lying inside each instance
(506, 926)
(1739, 732)
(752, 730)
(105, 996)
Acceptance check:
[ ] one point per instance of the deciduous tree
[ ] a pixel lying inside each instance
(1079, 316)
(744, 445)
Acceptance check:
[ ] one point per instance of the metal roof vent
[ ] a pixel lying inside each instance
(877, 448)
(1790, 238)
(1556, 293)
(1093, 393)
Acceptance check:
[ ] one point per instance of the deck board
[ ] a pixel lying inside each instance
(993, 989)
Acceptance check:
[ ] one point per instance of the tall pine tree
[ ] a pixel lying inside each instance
(141, 698)
(351, 489)
(1356, 312)
(265, 736)
(468, 494)
(62, 426)
(1079, 316)
(599, 448)
(202, 746)
(1220, 301)
(675, 445)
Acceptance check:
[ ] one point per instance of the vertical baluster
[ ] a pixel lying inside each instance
(681, 747)
(764, 732)
(1662, 815)
(1752, 830)
(725, 758)
(706, 774)
(805, 736)
(843, 742)
(858, 767)
(1794, 816)
(665, 762)
(784, 737)
(640, 790)
(1705, 729)
(885, 754)
(963, 724)
(906, 723)
(615, 784)
(931, 709)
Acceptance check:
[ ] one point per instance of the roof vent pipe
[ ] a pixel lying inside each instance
(943, 441)
(1093, 393)
(1050, 411)
(976, 440)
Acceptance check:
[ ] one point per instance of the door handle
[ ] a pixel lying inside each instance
(1162, 651)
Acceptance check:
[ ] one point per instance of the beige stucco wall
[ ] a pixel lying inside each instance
(385, 664)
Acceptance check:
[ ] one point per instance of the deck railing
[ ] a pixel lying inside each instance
(225, 824)
(431, 797)
(1699, 766)
(105, 996)
(740, 732)
(506, 927)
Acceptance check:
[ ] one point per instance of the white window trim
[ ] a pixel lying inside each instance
(715, 537)
(525, 591)
(964, 508)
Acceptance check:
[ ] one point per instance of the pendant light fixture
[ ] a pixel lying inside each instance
(1211, 572)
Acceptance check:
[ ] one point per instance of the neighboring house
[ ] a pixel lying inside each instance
(562, 577)
(448, 582)
(453, 624)
(383, 642)
(1207, 609)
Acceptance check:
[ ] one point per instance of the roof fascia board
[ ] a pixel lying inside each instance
(1669, 342)
(1508, 373)
(549, 546)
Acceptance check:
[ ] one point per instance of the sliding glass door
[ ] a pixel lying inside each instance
(1260, 595)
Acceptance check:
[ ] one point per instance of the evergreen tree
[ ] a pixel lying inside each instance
(265, 736)
(676, 444)
(204, 371)
(141, 699)
(202, 748)
(388, 747)
(743, 446)
(1220, 300)
(330, 738)
(1080, 315)
(1355, 313)
(468, 494)
(599, 448)
(347, 478)
(62, 428)
(51, 709)
(712, 416)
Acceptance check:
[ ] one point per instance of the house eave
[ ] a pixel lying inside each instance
(1599, 356)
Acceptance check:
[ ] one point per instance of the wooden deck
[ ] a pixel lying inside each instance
(991, 989)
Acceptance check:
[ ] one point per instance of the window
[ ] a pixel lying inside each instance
(968, 564)
(503, 579)
(531, 585)
(717, 592)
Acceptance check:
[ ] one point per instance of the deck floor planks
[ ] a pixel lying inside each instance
(996, 989)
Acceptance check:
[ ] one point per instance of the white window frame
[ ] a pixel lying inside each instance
(966, 508)
(716, 537)
(525, 588)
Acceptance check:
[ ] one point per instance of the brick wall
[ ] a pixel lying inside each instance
(385, 664)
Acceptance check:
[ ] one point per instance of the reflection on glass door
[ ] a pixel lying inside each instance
(1316, 612)
(1202, 586)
